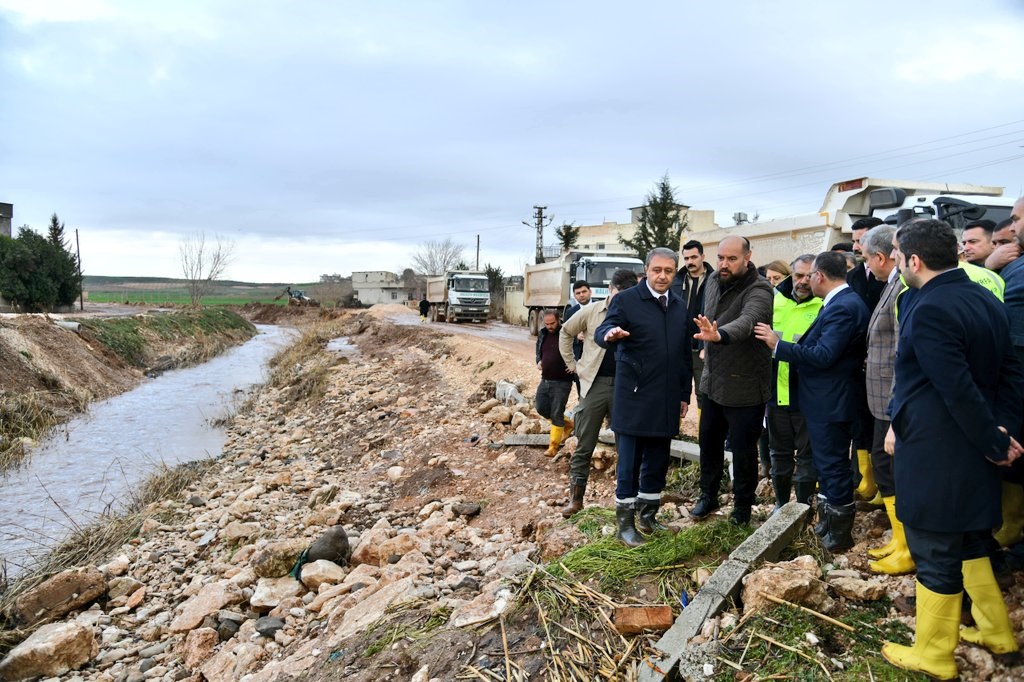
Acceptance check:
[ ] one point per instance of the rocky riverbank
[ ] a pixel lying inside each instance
(363, 523)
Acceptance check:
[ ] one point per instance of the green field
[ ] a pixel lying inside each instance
(162, 290)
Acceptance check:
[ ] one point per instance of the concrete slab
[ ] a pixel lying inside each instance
(684, 449)
(527, 439)
(765, 544)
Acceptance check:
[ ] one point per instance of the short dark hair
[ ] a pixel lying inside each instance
(805, 258)
(1003, 224)
(694, 244)
(831, 265)
(987, 226)
(933, 241)
(554, 313)
(623, 278)
(866, 223)
(842, 246)
(579, 284)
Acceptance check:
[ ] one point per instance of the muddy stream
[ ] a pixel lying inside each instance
(89, 464)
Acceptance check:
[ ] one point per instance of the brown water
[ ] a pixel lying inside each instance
(90, 463)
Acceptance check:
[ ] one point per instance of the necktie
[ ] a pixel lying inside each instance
(663, 299)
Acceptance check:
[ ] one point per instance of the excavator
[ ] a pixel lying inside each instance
(297, 297)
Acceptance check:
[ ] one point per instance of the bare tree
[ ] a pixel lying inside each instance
(202, 263)
(436, 258)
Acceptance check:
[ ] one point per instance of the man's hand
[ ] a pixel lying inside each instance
(708, 330)
(683, 409)
(765, 333)
(615, 334)
(1013, 452)
(538, 366)
(890, 441)
(581, 337)
(1002, 255)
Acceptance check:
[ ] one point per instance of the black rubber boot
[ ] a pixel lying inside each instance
(839, 537)
(740, 516)
(576, 493)
(821, 528)
(783, 485)
(804, 491)
(647, 517)
(626, 526)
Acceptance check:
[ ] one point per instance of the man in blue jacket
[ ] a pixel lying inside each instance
(646, 325)
(957, 395)
(828, 360)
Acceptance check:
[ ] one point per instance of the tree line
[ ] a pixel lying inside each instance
(37, 273)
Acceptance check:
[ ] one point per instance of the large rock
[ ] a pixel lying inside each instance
(366, 612)
(199, 646)
(332, 545)
(557, 537)
(277, 558)
(229, 665)
(61, 594)
(368, 549)
(270, 591)
(487, 605)
(236, 530)
(798, 581)
(320, 572)
(857, 589)
(211, 598)
(400, 545)
(50, 651)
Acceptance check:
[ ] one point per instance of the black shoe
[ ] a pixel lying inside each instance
(783, 485)
(740, 516)
(839, 537)
(647, 517)
(804, 491)
(626, 526)
(705, 505)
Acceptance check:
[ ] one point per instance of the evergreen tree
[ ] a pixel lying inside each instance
(69, 284)
(660, 223)
(35, 274)
(55, 234)
(495, 278)
(568, 236)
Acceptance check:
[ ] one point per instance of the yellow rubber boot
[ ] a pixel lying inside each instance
(567, 429)
(938, 625)
(555, 442)
(1013, 515)
(867, 488)
(889, 547)
(993, 630)
(898, 561)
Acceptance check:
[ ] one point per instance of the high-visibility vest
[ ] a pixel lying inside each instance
(790, 320)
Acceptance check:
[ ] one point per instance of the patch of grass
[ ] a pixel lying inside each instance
(858, 653)
(614, 565)
(303, 367)
(209, 331)
(22, 415)
(418, 627)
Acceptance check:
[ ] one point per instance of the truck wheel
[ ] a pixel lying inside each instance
(533, 320)
(433, 313)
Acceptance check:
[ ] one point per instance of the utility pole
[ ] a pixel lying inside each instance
(81, 294)
(539, 223)
(478, 252)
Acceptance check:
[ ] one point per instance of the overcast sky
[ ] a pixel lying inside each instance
(327, 137)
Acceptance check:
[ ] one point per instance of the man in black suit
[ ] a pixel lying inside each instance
(647, 327)
(957, 395)
(828, 360)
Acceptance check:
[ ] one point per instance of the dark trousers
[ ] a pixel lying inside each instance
(940, 556)
(790, 445)
(742, 425)
(590, 416)
(642, 465)
(551, 399)
(881, 461)
(830, 447)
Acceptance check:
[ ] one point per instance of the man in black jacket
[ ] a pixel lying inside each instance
(689, 284)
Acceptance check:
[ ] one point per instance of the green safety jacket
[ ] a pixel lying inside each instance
(790, 320)
(978, 275)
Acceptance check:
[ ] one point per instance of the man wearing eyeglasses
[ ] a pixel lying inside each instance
(828, 360)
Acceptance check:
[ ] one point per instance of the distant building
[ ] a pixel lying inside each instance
(6, 214)
(380, 286)
(603, 239)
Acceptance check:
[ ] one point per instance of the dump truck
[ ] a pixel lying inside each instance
(459, 295)
(549, 285)
(846, 202)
